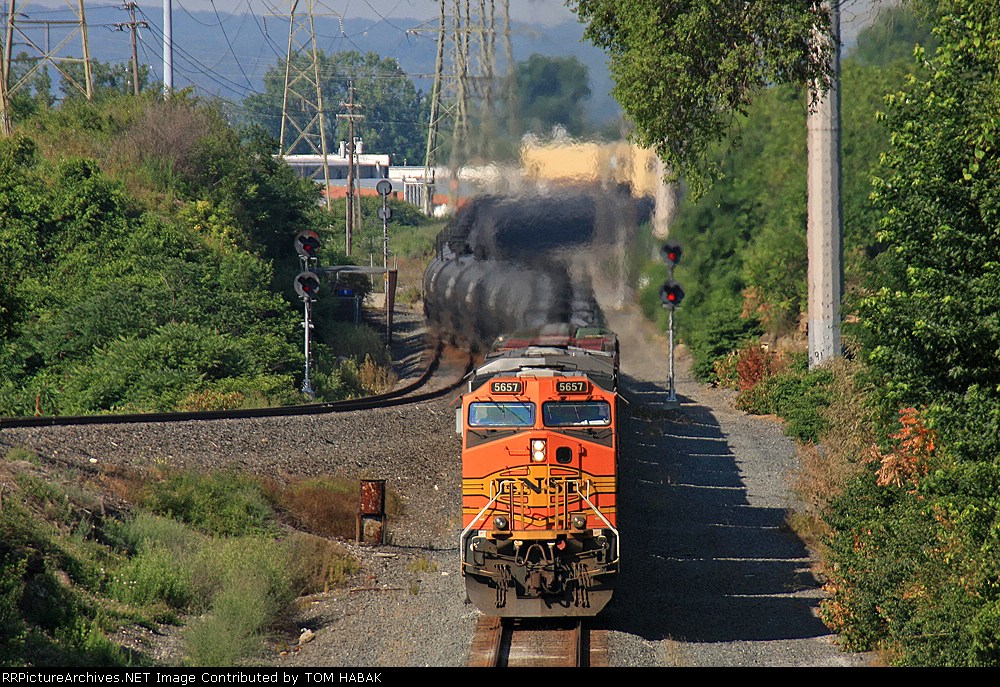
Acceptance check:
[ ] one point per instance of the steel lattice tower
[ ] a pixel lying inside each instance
(17, 25)
(464, 72)
(303, 90)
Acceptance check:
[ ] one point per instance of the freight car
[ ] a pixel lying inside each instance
(470, 302)
(539, 426)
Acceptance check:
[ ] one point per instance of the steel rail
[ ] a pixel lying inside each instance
(399, 396)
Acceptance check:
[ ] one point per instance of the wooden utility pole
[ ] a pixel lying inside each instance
(824, 230)
(351, 117)
(132, 24)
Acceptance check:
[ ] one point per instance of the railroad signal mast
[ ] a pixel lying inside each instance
(384, 188)
(671, 295)
(307, 287)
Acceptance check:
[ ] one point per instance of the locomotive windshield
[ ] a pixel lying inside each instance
(576, 413)
(502, 414)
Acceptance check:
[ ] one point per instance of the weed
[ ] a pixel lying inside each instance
(246, 585)
(421, 564)
(215, 503)
(376, 379)
(154, 575)
(21, 454)
(318, 564)
(209, 399)
(322, 506)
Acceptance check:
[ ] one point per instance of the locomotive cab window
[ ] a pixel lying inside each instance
(502, 414)
(576, 413)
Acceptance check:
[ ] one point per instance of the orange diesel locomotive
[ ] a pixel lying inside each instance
(539, 432)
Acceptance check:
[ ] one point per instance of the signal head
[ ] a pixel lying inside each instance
(307, 243)
(671, 294)
(307, 286)
(671, 252)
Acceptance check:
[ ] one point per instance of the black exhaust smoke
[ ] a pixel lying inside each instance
(499, 267)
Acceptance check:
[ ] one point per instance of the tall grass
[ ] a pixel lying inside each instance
(207, 555)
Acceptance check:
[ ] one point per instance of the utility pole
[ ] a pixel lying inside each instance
(132, 24)
(351, 117)
(824, 230)
(168, 49)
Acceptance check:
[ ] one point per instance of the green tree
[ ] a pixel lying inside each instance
(915, 539)
(685, 69)
(930, 325)
(551, 91)
(745, 237)
(395, 112)
(893, 36)
(31, 93)
(107, 79)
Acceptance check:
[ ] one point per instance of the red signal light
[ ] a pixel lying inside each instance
(671, 294)
(307, 243)
(307, 285)
(671, 253)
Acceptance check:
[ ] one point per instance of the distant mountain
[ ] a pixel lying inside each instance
(226, 55)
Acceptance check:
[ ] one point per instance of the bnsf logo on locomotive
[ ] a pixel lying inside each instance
(550, 485)
(577, 387)
(506, 387)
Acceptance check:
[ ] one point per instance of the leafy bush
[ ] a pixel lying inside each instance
(799, 397)
(717, 338)
(753, 363)
(142, 277)
(153, 575)
(216, 503)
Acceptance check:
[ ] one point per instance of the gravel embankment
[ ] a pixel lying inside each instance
(711, 577)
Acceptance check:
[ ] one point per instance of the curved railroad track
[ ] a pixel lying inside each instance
(522, 643)
(444, 372)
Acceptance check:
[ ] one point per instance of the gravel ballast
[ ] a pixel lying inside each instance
(711, 576)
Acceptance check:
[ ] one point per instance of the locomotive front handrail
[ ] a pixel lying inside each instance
(493, 499)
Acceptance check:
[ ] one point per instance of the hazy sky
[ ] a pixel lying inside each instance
(244, 21)
(854, 13)
(537, 11)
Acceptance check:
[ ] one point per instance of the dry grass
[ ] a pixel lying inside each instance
(375, 378)
(825, 470)
(322, 506)
(320, 563)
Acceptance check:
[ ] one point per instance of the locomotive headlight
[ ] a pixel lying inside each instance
(538, 450)
(579, 521)
(500, 522)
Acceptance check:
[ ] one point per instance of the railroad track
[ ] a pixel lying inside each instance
(523, 643)
(444, 372)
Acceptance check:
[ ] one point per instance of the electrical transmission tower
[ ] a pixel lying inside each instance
(17, 27)
(302, 113)
(464, 73)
